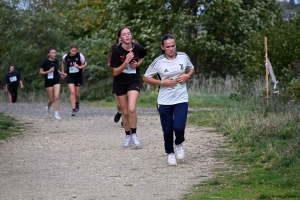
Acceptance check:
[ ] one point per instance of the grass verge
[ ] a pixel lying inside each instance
(266, 161)
(9, 127)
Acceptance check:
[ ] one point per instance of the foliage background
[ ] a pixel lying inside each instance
(221, 37)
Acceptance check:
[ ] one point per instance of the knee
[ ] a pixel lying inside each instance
(72, 93)
(125, 115)
(132, 111)
(56, 98)
(178, 129)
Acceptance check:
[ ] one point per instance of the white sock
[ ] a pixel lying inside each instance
(120, 112)
(56, 112)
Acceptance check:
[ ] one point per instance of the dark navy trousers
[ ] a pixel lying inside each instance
(173, 119)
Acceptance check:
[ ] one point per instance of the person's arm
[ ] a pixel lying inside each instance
(42, 72)
(168, 82)
(62, 67)
(118, 70)
(135, 64)
(21, 83)
(20, 80)
(62, 74)
(7, 82)
(153, 81)
(83, 62)
(184, 77)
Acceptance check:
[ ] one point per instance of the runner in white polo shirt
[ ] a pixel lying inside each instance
(173, 69)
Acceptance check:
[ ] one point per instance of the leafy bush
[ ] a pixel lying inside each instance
(96, 92)
(294, 88)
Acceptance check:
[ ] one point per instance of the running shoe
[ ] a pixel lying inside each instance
(135, 140)
(73, 112)
(117, 117)
(127, 141)
(77, 107)
(172, 159)
(57, 116)
(179, 151)
(122, 124)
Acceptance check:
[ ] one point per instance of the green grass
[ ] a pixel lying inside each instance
(9, 127)
(266, 141)
(196, 100)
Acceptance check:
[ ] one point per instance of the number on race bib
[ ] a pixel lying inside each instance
(73, 69)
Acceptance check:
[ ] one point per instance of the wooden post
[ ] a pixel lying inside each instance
(267, 71)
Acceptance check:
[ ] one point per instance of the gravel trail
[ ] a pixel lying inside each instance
(82, 157)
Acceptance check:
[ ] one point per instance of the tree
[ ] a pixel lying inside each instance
(30, 32)
(230, 27)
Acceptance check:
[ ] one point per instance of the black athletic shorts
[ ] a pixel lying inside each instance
(51, 83)
(76, 80)
(122, 89)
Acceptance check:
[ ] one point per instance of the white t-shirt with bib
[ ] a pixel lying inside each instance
(166, 68)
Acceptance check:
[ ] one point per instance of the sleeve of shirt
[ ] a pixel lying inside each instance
(82, 59)
(143, 52)
(114, 62)
(152, 70)
(43, 66)
(7, 79)
(63, 59)
(189, 64)
(19, 78)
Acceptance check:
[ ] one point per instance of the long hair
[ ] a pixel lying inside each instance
(114, 45)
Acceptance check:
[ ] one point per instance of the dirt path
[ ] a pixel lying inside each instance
(82, 157)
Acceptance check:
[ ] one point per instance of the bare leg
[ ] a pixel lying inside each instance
(77, 93)
(132, 100)
(72, 94)
(56, 96)
(118, 103)
(123, 100)
(50, 92)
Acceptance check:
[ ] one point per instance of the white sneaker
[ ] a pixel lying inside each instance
(127, 141)
(48, 111)
(57, 116)
(135, 140)
(179, 151)
(172, 159)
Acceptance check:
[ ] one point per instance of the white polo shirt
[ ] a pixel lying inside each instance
(166, 68)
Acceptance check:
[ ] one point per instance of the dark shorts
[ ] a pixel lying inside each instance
(76, 80)
(51, 83)
(122, 89)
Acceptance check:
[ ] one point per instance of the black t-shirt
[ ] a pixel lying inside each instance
(119, 56)
(69, 61)
(47, 65)
(13, 78)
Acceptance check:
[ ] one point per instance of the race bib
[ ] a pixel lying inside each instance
(129, 70)
(50, 75)
(13, 79)
(73, 69)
